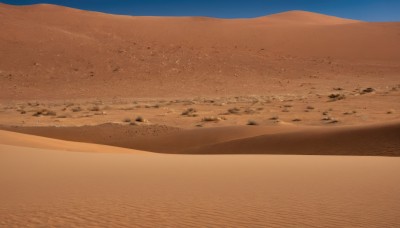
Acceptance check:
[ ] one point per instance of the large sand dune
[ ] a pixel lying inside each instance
(53, 52)
(42, 187)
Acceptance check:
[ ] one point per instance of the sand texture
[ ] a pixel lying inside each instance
(43, 187)
(286, 120)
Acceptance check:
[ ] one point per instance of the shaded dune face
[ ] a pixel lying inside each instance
(50, 51)
(369, 140)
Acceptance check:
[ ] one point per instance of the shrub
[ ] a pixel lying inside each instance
(189, 112)
(94, 109)
(211, 119)
(76, 109)
(140, 119)
(234, 110)
(252, 123)
(336, 96)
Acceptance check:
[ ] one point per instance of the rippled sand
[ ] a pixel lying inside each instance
(71, 189)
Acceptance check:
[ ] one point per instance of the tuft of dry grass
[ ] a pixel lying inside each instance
(127, 120)
(274, 118)
(76, 109)
(234, 110)
(190, 112)
(391, 111)
(336, 97)
(94, 109)
(141, 119)
(252, 123)
(367, 90)
(44, 112)
(211, 119)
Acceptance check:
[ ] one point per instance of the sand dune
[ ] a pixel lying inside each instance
(31, 141)
(371, 140)
(47, 52)
(361, 141)
(56, 188)
(298, 17)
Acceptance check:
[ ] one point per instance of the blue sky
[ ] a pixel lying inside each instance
(367, 10)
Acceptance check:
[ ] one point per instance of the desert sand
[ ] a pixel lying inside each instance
(286, 120)
(44, 187)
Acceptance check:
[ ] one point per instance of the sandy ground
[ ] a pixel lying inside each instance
(43, 187)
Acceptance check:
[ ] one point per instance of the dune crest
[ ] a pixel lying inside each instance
(303, 17)
(31, 141)
(370, 140)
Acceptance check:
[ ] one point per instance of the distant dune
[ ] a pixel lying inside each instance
(298, 17)
(54, 52)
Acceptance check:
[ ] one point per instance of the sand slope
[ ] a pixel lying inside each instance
(372, 140)
(42, 188)
(31, 141)
(298, 17)
(55, 52)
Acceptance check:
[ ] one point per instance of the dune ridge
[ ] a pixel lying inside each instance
(30, 141)
(299, 17)
(369, 140)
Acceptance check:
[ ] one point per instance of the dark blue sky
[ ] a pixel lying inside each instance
(368, 10)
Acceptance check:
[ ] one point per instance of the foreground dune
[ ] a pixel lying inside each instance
(372, 140)
(42, 188)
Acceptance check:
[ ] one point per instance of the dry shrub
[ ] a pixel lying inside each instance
(252, 123)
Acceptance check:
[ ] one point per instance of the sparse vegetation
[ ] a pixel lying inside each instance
(252, 122)
(76, 109)
(326, 118)
(190, 112)
(333, 122)
(367, 90)
(234, 110)
(336, 97)
(44, 112)
(391, 111)
(211, 119)
(250, 111)
(94, 109)
(338, 89)
(140, 119)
